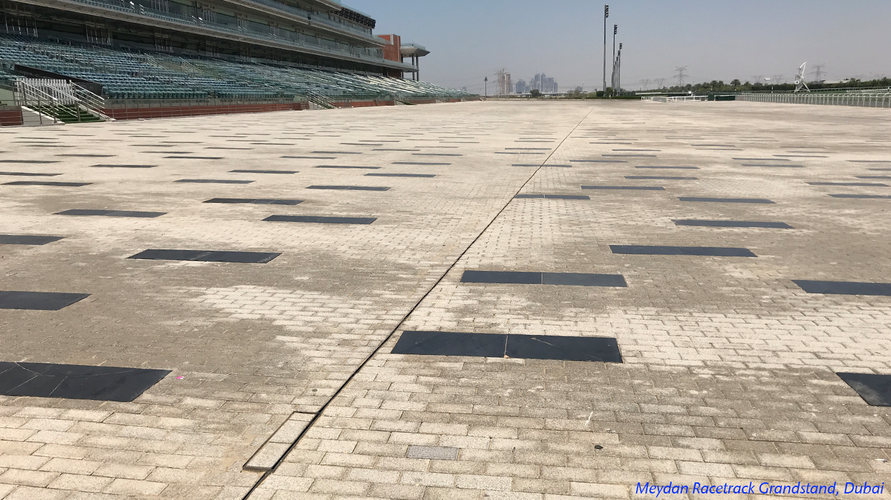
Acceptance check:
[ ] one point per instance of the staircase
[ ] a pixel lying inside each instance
(68, 113)
(62, 100)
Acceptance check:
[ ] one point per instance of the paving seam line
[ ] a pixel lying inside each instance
(349, 379)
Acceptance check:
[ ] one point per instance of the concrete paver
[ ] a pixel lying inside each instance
(728, 370)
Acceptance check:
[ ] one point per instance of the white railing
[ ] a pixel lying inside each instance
(881, 99)
(686, 98)
(51, 95)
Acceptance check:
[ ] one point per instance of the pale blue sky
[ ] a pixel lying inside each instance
(716, 39)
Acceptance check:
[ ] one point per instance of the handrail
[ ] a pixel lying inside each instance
(90, 102)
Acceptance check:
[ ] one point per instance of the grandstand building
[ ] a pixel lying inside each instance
(213, 52)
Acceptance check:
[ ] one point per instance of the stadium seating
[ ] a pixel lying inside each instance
(130, 75)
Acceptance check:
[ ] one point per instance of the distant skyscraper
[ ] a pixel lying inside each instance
(544, 84)
(521, 87)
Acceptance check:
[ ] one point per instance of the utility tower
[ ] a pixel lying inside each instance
(681, 76)
(818, 72)
(645, 83)
(778, 79)
(661, 83)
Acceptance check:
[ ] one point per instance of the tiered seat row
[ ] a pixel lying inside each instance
(126, 75)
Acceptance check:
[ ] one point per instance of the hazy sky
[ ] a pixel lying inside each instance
(716, 39)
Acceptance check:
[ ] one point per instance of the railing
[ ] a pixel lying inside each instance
(666, 99)
(255, 30)
(871, 99)
(90, 102)
(49, 96)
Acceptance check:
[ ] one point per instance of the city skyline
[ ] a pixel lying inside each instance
(470, 40)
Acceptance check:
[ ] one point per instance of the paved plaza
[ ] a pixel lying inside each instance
(493, 300)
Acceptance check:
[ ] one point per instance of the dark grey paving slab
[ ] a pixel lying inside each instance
(801, 156)
(549, 347)
(874, 389)
(874, 176)
(630, 156)
(774, 165)
(451, 344)
(336, 152)
(637, 150)
(38, 301)
(538, 165)
(175, 157)
(348, 167)
(28, 174)
(553, 196)
(213, 181)
(229, 148)
(77, 155)
(320, 220)
(844, 287)
(420, 163)
(862, 196)
(437, 154)
(859, 184)
(351, 188)
(95, 383)
(666, 167)
(660, 178)
(870, 161)
(628, 188)
(35, 162)
(598, 161)
(113, 213)
(502, 277)
(377, 174)
(690, 251)
(732, 223)
(251, 201)
(207, 256)
(27, 239)
(583, 279)
(762, 159)
(727, 200)
(281, 172)
(47, 183)
(122, 166)
(310, 157)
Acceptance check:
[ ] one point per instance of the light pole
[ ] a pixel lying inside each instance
(605, 17)
(486, 83)
(613, 79)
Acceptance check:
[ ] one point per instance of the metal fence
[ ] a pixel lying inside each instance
(881, 99)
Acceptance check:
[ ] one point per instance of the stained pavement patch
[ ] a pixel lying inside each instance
(377, 174)
(282, 172)
(108, 165)
(28, 174)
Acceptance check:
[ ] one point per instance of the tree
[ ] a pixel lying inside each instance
(535, 93)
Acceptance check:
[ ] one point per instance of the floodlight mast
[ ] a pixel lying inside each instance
(613, 78)
(605, 17)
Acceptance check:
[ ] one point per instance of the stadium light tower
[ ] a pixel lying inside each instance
(486, 83)
(605, 17)
(613, 79)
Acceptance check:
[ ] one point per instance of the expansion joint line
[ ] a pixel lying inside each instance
(411, 311)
